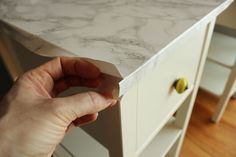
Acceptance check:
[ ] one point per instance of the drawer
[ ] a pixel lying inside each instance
(157, 98)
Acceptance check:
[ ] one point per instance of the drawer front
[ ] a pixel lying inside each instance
(157, 98)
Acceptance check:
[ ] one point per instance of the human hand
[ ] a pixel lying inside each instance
(33, 120)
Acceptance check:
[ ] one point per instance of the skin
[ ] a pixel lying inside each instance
(33, 120)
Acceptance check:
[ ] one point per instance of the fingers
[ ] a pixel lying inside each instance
(85, 119)
(79, 67)
(43, 77)
(68, 66)
(82, 121)
(83, 104)
(73, 81)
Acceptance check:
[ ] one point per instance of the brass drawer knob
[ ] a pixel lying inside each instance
(181, 85)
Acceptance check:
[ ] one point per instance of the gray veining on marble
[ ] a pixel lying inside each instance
(126, 33)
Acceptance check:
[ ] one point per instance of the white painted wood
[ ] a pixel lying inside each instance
(107, 131)
(219, 77)
(115, 127)
(164, 114)
(224, 99)
(128, 107)
(61, 151)
(157, 99)
(80, 144)
(181, 122)
(222, 49)
(184, 113)
(214, 78)
(161, 144)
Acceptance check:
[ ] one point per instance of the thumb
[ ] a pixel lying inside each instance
(79, 105)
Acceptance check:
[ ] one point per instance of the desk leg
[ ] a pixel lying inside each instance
(224, 99)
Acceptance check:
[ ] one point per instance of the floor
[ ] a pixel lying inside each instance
(205, 139)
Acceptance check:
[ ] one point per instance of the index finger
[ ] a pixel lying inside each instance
(43, 78)
(68, 66)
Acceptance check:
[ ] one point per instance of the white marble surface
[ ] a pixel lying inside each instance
(128, 35)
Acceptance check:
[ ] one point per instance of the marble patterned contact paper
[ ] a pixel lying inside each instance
(122, 37)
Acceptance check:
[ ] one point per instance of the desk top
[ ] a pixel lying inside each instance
(122, 37)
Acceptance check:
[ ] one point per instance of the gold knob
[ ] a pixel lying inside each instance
(181, 85)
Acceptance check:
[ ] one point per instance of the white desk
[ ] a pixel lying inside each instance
(220, 71)
(145, 45)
